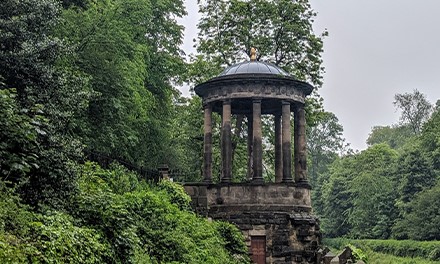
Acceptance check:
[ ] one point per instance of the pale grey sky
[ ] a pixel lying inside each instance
(376, 48)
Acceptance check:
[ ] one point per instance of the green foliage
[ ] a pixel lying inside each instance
(49, 238)
(430, 138)
(145, 221)
(60, 240)
(130, 51)
(324, 143)
(116, 225)
(380, 258)
(280, 30)
(401, 248)
(381, 192)
(187, 137)
(234, 242)
(18, 138)
(337, 198)
(421, 221)
(358, 254)
(373, 194)
(395, 136)
(359, 196)
(416, 109)
(176, 194)
(14, 216)
(415, 173)
(31, 62)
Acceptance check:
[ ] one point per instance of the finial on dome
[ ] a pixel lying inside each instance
(253, 54)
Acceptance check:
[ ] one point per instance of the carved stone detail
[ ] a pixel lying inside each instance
(249, 90)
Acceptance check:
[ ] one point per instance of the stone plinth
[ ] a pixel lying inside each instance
(281, 213)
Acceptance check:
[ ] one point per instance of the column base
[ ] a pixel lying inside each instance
(287, 180)
(227, 180)
(258, 181)
(303, 184)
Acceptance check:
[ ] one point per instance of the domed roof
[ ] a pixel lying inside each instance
(254, 67)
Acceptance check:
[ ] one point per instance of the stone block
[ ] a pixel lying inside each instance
(202, 201)
(202, 191)
(190, 190)
(269, 210)
(259, 227)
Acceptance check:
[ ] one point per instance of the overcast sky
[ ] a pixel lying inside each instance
(376, 48)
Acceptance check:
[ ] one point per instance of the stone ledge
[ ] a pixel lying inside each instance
(261, 209)
(301, 184)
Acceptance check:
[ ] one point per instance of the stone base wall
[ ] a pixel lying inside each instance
(279, 212)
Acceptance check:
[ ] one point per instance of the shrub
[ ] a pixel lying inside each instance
(358, 254)
(176, 194)
(234, 242)
(58, 240)
(52, 237)
(148, 222)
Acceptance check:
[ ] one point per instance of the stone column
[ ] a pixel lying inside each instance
(300, 144)
(278, 149)
(207, 144)
(226, 142)
(287, 158)
(250, 147)
(257, 141)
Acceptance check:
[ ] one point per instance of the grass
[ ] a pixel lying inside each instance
(391, 251)
(380, 258)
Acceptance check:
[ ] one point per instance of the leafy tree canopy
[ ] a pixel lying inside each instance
(280, 30)
(395, 136)
(416, 109)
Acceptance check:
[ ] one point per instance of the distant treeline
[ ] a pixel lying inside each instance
(391, 189)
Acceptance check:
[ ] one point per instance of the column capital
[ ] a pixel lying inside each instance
(284, 102)
(226, 101)
(256, 99)
(207, 105)
(278, 113)
(299, 106)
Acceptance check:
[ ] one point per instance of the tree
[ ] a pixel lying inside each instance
(18, 137)
(281, 31)
(359, 197)
(373, 197)
(415, 108)
(324, 144)
(133, 61)
(395, 136)
(422, 222)
(415, 173)
(336, 197)
(430, 138)
(187, 137)
(31, 61)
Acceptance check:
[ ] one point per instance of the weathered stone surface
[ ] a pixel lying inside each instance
(270, 210)
(275, 219)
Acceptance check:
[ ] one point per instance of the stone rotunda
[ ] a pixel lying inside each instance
(275, 218)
